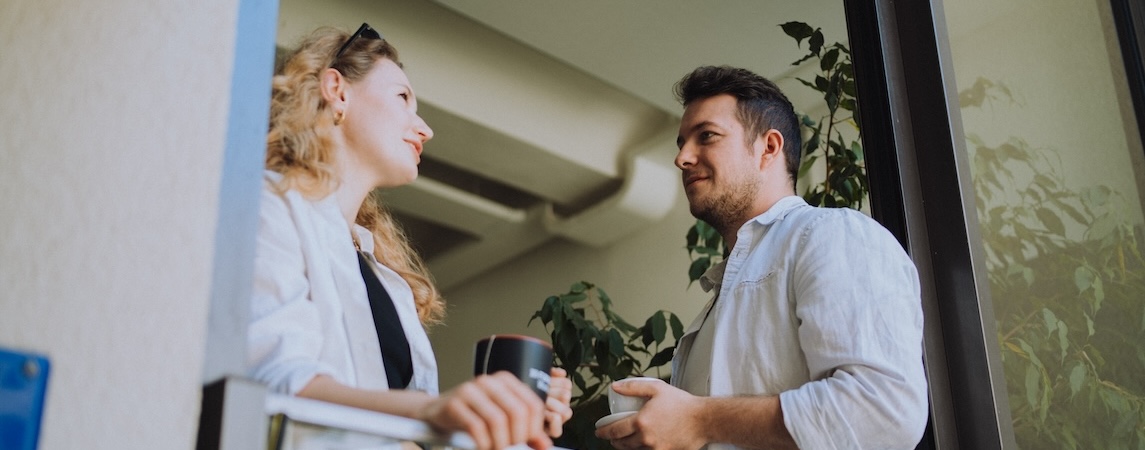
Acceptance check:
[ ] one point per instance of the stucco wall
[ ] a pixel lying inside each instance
(113, 126)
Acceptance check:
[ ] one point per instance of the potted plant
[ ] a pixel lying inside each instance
(596, 346)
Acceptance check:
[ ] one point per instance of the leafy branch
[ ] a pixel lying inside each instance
(844, 182)
(1066, 276)
(597, 346)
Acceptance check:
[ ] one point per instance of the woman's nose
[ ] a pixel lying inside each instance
(423, 129)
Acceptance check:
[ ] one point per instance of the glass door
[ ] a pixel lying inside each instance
(1058, 174)
(1005, 152)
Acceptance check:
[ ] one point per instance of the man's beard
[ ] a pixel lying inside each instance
(726, 210)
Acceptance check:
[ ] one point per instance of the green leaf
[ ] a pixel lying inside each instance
(797, 30)
(615, 343)
(816, 41)
(678, 327)
(546, 312)
(1063, 339)
(829, 58)
(1051, 221)
(605, 300)
(1072, 212)
(558, 317)
(1076, 378)
(577, 378)
(1095, 197)
(659, 327)
(646, 334)
(1033, 377)
(821, 84)
(1045, 182)
(1050, 320)
(804, 58)
(1082, 278)
(849, 88)
(568, 339)
(812, 143)
(627, 369)
(579, 287)
(1037, 363)
(698, 267)
(707, 251)
(706, 231)
(1098, 294)
(662, 357)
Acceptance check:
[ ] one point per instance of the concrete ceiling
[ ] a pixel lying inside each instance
(554, 120)
(643, 46)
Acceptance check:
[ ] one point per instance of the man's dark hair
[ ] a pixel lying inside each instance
(761, 105)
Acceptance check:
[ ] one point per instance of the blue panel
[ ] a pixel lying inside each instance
(23, 381)
(241, 185)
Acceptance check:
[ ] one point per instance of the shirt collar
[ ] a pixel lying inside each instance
(779, 210)
(714, 276)
(365, 238)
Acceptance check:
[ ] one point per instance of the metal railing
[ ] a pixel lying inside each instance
(305, 424)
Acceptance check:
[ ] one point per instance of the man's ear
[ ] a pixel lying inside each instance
(770, 145)
(333, 87)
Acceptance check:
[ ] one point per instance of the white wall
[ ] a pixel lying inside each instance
(111, 140)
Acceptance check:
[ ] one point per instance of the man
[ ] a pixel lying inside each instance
(814, 336)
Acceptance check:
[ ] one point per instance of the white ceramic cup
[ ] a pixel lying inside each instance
(618, 403)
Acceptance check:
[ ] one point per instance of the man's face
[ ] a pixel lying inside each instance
(721, 173)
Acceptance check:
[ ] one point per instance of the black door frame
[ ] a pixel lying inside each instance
(920, 188)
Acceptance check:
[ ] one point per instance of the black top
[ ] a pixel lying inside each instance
(391, 336)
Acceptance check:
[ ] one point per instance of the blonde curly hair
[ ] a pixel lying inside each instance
(298, 146)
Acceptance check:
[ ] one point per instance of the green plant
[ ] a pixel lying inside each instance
(1067, 280)
(597, 346)
(844, 177)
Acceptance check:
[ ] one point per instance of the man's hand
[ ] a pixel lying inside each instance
(671, 419)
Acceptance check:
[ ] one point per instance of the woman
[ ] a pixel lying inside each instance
(340, 300)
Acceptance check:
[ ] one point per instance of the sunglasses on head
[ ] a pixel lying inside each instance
(364, 32)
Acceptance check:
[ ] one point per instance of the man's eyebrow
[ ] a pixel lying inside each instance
(680, 138)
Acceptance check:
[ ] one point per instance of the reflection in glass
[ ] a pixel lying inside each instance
(1057, 173)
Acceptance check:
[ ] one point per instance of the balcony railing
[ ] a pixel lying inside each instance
(304, 424)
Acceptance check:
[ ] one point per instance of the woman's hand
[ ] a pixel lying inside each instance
(496, 410)
(557, 409)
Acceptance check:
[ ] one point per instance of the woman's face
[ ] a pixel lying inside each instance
(382, 130)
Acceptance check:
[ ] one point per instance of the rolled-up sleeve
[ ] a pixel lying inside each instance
(860, 328)
(284, 337)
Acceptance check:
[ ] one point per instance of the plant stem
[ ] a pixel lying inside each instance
(827, 149)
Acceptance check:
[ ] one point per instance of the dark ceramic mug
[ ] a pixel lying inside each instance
(528, 358)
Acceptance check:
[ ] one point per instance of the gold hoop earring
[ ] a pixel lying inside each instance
(339, 116)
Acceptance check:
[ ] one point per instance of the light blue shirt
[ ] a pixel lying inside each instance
(822, 307)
